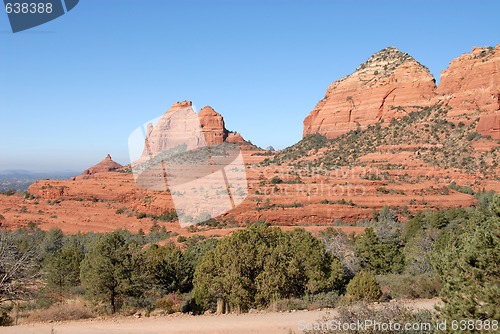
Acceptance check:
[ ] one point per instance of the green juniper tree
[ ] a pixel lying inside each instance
(466, 260)
(107, 271)
(258, 266)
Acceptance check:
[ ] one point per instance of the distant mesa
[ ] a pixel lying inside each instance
(392, 84)
(106, 165)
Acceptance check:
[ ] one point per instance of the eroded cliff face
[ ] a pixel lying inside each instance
(390, 83)
(181, 125)
(471, 87)
(384, 87)
(212, 125)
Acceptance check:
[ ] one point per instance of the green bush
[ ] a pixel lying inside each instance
(141, 215)
(363, 287)
(276, 180)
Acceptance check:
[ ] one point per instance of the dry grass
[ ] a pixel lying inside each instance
(71, 310)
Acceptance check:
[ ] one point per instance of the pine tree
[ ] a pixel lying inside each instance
(62, 269)
(378, 257)
(467, 262)
(107, 270)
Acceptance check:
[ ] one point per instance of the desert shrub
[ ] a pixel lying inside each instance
(417, 251)
(5, 318)
(141, 215)
(288, 304)
(169, 304)
(62, 312)
(323, 300)
(411, 286)
(276, 180)
(311, 302)
(390, 313)
(341, 246)
(463, 189)
(363, 287)
(167, 216)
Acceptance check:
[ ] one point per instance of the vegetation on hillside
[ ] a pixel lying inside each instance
(432, 138)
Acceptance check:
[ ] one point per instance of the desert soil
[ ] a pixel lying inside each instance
(269, 323)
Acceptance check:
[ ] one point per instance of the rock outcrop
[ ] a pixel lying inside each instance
(471, 87)
(181, 125)
(391, 83)
(235, 137)
(379, 89)
(212, 125)
(106, 165)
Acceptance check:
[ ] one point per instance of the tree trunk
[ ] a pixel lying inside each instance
(113, 301)
(220, 306)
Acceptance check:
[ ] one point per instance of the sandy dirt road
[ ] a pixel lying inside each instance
(267, 323)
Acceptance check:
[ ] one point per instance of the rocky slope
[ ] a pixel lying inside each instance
(379, 89)
(391, 84)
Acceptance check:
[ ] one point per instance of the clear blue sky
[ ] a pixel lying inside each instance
(72, 90)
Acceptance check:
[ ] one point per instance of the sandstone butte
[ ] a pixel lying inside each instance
(106, 165)
(180, 124)
(390, 83)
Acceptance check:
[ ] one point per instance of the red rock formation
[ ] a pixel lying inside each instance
(212, 125)
(235, 137)
(106, 165)
(390, 82)
(180, 125)
(381, 88)
(489, 125)
(471, 86)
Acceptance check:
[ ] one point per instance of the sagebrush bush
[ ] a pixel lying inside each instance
(61, 312)
(169, 304)
(363, 287)
(411, 286)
